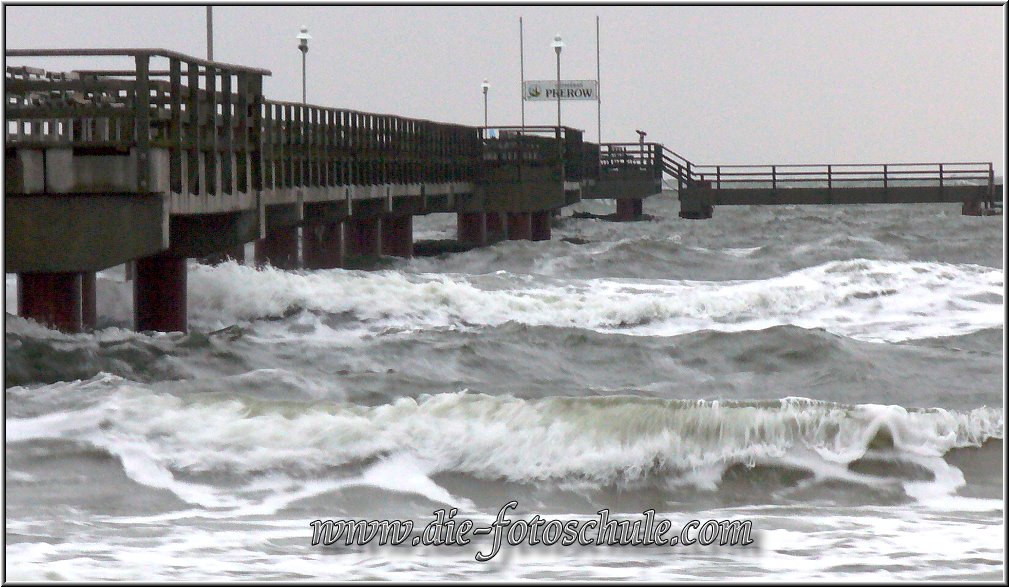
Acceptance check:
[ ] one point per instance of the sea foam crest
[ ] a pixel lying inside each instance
(866, 299)
(601, 440)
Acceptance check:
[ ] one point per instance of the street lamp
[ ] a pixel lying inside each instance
(303, 38)
(486, 86)
(558, 45)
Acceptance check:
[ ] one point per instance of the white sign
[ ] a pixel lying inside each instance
(577, 89)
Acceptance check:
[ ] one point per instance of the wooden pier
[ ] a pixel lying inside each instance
(176, 157)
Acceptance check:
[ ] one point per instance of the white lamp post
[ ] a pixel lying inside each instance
(303, 38)
(558, 45)
(486, 86)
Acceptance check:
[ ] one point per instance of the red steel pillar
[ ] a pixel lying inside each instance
(397, 235)
(972, 208)
(53, 299)
(520, 226)
(629, 208)
(89, 308)
(471, 228)
(279, 248)
(496, 228)
(362, 236)
(159, 293)
(322, 245)
(541, 225)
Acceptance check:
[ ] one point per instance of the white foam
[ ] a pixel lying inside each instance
(597, 440)
(882, 301)
(869, 300)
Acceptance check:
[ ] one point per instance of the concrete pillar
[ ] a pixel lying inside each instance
(471, 228)
(89, 307)
(322, 245)
(52, 299)
(279, 248)
(362, 236)
(397, 235)
(519, 226)
(541, 225)
(496, 227)
(629, 208)
(159, 293)
(972, 208)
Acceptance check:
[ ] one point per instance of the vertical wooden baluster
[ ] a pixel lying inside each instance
(194, 134)
(242, 139)
(211, 152)
(142, 113)
(175, 126)
(227, 143)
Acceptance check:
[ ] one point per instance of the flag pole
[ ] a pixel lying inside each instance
(599, 98)
(522, 74)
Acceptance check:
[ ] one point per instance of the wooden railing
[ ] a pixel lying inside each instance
(213, 115)
(618, 158)
(831, 176)
(313, 146)
(677, 167)
(515, 147)
(220, 133)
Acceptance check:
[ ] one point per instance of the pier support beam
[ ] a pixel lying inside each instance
(519, 226)
(159, 293)
(362, 236)
(322, 245)
(397, 235)
(496, 227)
(629, 209)
(972, 208)
(89, 307)
(52, 299)
(471, 228)
(541, 225)
(692, 210)
(279, 248)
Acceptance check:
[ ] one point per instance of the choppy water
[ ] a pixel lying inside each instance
(833, 374)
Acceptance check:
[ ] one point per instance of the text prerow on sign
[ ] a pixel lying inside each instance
(579, 89)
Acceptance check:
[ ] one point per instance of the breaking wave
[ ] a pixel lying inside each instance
(172, 442)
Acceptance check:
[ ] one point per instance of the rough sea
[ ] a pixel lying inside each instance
(832, 374)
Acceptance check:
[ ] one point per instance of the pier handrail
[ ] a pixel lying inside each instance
(133, 111)
(843, 175)
(135, 53)
(510, 149)
(305, 145)
(621, 157)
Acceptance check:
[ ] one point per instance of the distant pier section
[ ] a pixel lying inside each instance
(177, 157)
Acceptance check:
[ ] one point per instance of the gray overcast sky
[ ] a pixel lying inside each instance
(718, 84)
